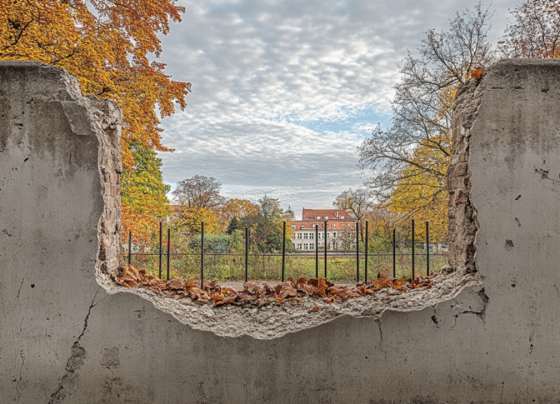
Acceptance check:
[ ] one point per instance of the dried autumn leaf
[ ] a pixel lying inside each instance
(315, 309)
(322, 286)
(175, 284)
(478, 72)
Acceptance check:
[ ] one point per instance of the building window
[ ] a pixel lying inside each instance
(342, 217)
(311, 236)
(326, 217)
(299, 236)
(334, 235)
(312, 246)
(294, 226)
(302, 227)
(305, 246)
(318, 217)
(306, 235)
(299, 246)
(334, 225)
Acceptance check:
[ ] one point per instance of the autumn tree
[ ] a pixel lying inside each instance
(422, 113)
(268, 229)
(382, 220)
(421, 196)
(144, 195)
(110, 46)
(239, 209)
(357, 202)
(200, 201)
(534, 31)
(199, 191)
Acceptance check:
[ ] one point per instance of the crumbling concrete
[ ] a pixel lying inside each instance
(486, 333)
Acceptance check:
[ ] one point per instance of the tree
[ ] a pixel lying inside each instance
(357, 203)
(144, 195)
(200, 201)
(233, 226)
(421, 196)
(239, 209)
(268, 232)
(107, 45)
(422, 111)
(201, 192)
(535, 31)
(190, 219)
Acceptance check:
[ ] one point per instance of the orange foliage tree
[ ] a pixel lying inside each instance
(238, 208)
(107, 45)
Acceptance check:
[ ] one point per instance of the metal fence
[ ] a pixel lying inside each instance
(319, 254)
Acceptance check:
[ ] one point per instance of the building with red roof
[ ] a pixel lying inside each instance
(340, 230)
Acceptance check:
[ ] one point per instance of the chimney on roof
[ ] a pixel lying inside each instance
(336, 213)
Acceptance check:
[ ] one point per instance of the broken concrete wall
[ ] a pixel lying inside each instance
(65, 338)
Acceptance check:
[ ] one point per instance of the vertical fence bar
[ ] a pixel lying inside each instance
(325, 249)
(394, 253)
(283, 250)
(160, 246)
(247, 234)
(413, 249)
(316, 251)
(168, 250)
(129, 246)
(357, 252)
(427, 249)
(367, 242)
(202, 255)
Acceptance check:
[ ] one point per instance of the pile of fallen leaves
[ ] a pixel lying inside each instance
(259, 294)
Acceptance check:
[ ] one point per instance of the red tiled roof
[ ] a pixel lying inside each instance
(333, 214)
(308, 225)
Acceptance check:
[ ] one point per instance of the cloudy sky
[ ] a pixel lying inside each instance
(284, 91)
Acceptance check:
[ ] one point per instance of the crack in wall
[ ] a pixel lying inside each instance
(69, 382)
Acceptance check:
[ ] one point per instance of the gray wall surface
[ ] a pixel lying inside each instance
(63, 338)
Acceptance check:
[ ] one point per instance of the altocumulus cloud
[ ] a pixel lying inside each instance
(284, 91)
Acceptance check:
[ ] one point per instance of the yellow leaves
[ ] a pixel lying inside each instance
(190, 220)
(238, 208)
(106, 46)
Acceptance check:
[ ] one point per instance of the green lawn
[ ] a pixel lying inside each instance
(269, 266)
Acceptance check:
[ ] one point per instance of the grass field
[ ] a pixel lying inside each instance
(231, 267)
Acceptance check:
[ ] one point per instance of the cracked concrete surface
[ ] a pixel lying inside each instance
(493, 339)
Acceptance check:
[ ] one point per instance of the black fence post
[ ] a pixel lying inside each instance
(316, 251)
(427, 250)
(325, 249)
(247, 235)
(395, 253)
(168, 250)
(357, 252)
(283, 250)
(129, 247)
(367, 242)
(160, 246)
(202, 255)
(413, 248)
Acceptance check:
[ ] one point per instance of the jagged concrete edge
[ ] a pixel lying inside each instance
(166, 304)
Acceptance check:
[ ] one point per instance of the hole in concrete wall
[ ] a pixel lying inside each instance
(272, 319)
(267, 318)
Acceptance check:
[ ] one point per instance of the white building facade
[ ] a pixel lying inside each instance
(309, 232)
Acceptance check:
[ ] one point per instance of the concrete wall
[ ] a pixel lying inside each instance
(64, 338)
